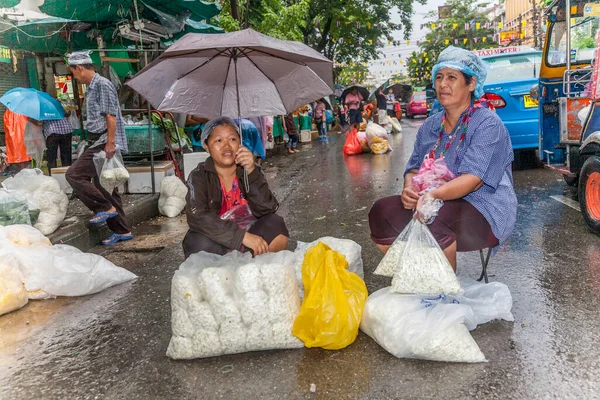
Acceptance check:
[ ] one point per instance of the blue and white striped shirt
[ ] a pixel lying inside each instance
(102, 100)
(486, 152)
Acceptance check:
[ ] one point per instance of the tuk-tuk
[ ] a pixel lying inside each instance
(569, 97)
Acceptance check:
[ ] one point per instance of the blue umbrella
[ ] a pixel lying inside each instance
(33, 104)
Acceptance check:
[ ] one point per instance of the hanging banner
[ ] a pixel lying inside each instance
(5, 55)
(507, 37)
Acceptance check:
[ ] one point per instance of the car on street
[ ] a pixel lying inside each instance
(507, 86)
(417, 105)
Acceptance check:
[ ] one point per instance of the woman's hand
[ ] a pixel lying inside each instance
(257, 244)
(410, 197)
(244, 158)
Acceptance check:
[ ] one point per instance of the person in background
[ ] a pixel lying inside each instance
(16, 152)
(215, 187)
(290, 128)
(106, 131)
(381, 106)
(390, 100)
(352, 101)
(319, 120)
(342, 117)
(58, 134)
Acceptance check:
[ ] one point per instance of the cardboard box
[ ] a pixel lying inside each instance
(191, 161)
(140, 176)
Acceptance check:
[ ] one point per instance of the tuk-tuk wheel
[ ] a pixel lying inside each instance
(589, 193)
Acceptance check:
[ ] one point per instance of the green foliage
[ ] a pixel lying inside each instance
(351, 73)
(345, 31)
(462, 12)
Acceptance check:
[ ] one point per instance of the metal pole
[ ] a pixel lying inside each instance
(568, 22)
(152, 180)
(237, 92)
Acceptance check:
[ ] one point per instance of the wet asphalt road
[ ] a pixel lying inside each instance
(112, 345)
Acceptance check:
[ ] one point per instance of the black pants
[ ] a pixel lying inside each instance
(86, 186)
(53, 143)
(267, 227)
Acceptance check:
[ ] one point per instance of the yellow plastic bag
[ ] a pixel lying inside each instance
(334, 300)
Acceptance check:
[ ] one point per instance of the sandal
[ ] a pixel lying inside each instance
(116, 237)
(102, 216)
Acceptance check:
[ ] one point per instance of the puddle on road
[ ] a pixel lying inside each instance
(133, 259)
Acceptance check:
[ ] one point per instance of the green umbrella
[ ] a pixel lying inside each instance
(9, 3)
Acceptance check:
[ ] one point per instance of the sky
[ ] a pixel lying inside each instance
(403, 51)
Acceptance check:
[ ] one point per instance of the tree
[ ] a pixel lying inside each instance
(450, 31)
(343, 30)
(352, 73)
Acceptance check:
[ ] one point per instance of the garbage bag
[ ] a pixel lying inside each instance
(14, 128)
(432, 174)
(352, 145)
(233, 304)
(44, 194)
(418, 264)
(241, 215)
(13, 294)
(59, 270)
(488, 301)
(111, 171)
(396, 125)
(351, 250)
(378, 138)
(427, 328)
(332, 308)
(364, 143)
(172, 196)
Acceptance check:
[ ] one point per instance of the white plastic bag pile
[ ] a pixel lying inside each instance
(44, 193)
(172, 196)
(111, 171)
(47, 271)
(378, 138)
(396, 127)
(233, 304)
(435, 327)
(348, 248)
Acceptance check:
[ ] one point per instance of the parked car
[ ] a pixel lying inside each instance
(507, 86)
(417, 105)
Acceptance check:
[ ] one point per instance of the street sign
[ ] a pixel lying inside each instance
(5, 55)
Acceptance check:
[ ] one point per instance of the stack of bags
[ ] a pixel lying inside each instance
(427, 313)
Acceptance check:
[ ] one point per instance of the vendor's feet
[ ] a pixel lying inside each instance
(290, 151)
(117, 237)
(296, 150)
(102, 216)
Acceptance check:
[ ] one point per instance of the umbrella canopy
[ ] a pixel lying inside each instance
(33, 104)
(401, 92)
(243, 73)
(339, 89)
(364, 92)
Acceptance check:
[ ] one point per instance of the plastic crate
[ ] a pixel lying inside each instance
(138, 140)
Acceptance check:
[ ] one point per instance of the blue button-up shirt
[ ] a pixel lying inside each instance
(486, 152)
(102, 100)
(57, 127)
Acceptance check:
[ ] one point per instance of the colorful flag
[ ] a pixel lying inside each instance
(446, 41)
(465, 40)
(467, 27)
(477, 25)
(454, 26)
(455, 41)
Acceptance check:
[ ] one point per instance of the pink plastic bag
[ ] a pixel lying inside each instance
(241, 215)
(434, 172)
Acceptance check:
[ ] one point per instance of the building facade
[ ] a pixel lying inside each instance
(522, 23)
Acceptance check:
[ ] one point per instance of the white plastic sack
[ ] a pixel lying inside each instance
(427, 328)
(35, 143)
(418, 264)
(348, 248)
(42, 192)
(12, 291)
(172, 196)
(233, 304)
(111, 172)
(374, 130)
(488, 301)
(396, 127)
(23, 235)
(58, 270)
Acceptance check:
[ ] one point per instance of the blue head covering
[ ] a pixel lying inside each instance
(464, 61)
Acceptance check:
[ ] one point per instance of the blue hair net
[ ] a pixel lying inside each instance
(464, 61)
(213, 123)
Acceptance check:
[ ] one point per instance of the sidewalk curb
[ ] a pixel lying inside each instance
(79, 235)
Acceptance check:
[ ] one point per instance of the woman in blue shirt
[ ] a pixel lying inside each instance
(480, 205)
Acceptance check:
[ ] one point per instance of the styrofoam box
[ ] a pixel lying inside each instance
(191, 161)
(140, 176)
(305, 136)
(59, 175)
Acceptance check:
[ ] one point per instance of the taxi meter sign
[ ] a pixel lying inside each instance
(502, 50)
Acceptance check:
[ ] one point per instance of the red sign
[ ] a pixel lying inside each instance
(596, 76)
(501, 50)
